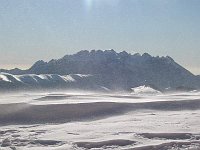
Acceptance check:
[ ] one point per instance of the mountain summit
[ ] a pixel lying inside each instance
(119, 70)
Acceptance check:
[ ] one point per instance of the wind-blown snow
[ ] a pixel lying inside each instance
(168, 121)
(144, 90)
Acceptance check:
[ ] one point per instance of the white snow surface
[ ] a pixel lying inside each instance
(126, 126)
(144, 90)
(33, 78)
(4, 78)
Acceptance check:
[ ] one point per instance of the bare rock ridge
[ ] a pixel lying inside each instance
(116, 71)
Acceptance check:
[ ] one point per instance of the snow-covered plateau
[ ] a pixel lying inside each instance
(68, 120)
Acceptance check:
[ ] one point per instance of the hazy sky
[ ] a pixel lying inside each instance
(31, 30)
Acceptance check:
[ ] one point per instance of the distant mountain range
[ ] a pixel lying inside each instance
(118, 71)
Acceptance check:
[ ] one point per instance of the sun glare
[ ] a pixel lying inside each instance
(89, 3)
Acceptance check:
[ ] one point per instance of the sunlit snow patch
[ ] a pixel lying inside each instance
(145, 90)
(4, 78)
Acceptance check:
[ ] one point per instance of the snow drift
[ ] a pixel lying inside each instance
(145, 90)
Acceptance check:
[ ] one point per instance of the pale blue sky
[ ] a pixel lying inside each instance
(31, 30)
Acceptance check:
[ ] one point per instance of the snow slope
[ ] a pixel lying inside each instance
(9, 81)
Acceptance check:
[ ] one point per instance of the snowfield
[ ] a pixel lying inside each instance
(68, 120)
(39, 79)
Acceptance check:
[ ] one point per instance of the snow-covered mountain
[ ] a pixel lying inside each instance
(33, 81)
(118, 71)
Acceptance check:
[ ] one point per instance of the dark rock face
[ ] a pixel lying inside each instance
(119, 70)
